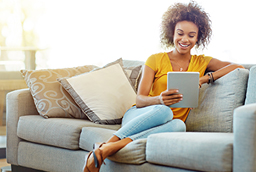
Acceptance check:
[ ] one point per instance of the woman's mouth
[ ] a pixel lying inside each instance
(183, 45)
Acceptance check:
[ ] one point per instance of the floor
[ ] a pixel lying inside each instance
(3, 162)
(2, 130)
(2, 137)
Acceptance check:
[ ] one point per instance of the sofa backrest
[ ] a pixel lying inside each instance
(217, 102)
(251, 88)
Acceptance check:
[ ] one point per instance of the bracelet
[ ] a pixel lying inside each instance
(161, 99)
(211, 79)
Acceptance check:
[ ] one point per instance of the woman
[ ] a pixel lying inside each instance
(183, 27)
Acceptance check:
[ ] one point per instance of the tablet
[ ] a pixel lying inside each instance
(188, 85)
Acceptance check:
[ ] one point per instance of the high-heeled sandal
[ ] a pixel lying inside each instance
(86, 169)
(96, 161)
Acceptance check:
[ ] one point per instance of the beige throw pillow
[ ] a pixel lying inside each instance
(104, 95)
(50, 98)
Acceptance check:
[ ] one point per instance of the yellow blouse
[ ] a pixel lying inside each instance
(161, 64)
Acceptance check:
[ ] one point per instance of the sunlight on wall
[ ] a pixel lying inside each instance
(82, 32)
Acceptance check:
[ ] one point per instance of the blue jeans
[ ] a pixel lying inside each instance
(139, 123)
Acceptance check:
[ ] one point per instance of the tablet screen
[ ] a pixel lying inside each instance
(188, 85)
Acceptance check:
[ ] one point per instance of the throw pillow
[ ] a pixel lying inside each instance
(134, 74)
(50, 98)
(217, 102)
(104, 95)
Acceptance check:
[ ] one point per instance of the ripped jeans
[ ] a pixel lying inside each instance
(139, 123)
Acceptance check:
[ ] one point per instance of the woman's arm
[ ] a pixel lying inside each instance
(169, 97)
(220, 69)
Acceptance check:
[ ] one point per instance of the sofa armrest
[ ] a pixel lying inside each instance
(18, 103)
(244, 154)
(251, 93)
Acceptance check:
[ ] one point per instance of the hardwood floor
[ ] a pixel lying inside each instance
(2, 130)
(3, 163)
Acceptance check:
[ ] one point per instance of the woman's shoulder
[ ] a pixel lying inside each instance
(155, 60)
(200, 62)
(158, 55)
(202, 58)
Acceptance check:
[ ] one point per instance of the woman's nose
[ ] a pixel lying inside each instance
(184, 39)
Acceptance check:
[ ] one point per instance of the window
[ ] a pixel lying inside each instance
(78, 32)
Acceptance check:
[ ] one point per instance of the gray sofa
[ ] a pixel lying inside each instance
(220, 135)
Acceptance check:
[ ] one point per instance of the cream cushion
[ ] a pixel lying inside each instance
(104, 95)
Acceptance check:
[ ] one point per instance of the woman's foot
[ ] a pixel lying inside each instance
(111, 148)
(98, 145)
(96, 157)
(94, 161)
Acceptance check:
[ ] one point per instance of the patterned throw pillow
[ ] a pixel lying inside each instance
(50, 98)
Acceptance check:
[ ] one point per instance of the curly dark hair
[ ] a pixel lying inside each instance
(185, 12)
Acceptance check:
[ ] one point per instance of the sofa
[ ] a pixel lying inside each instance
(220, 135)
(9, 81)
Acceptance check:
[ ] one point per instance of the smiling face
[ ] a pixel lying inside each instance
(185, 36)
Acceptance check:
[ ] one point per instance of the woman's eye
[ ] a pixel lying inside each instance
(180, 34)
(191, 36)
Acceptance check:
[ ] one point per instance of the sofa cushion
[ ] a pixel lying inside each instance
(195, 151)
(107, 96)
(50, 97)
(49, 158)
(217, 102)
(91, 135)
(133, 153)
(251, 93)
(59, 132)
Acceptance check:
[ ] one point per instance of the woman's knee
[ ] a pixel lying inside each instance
(164, 112)
(179, 125)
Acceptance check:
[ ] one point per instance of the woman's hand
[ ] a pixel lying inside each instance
(167, 97)
(202, 80)
(170, 97)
